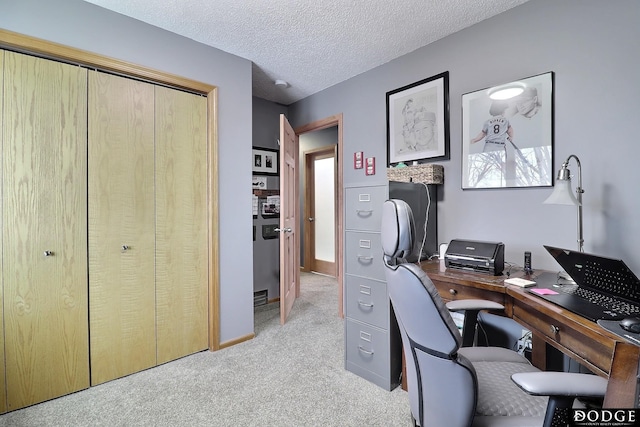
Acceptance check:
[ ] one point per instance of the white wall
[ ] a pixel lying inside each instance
(592, 47)
(85, 26)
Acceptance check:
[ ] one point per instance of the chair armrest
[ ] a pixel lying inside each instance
(560, 384)
(473, 304)
(471, 308)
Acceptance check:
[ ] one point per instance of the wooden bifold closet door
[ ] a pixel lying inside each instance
(121, 226)
(148, 247)
(3, 390)
(181, 223)
(105, 239)
(44, 229)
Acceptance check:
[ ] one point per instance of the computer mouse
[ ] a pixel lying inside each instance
(631, 324)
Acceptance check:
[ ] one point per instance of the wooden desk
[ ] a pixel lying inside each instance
(550, 324)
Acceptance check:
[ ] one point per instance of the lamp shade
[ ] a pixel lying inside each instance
(562, 194)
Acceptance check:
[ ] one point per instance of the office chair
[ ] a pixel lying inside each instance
(453, 386)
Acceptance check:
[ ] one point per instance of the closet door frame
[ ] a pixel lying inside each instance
(38, 47)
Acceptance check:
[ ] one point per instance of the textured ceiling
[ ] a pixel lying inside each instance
(311, 44)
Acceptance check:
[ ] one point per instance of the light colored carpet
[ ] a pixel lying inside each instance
(291, 375)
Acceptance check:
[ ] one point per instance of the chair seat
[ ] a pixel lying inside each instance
(492, 354)
(499, 396)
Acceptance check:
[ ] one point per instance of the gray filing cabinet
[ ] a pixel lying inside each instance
(372, 340)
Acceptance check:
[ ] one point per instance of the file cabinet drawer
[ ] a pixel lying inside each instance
(367, 347)
(363, 255)
(367, 301)
(363, 207)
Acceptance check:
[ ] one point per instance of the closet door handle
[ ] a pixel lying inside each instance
(48, 253)
(125, 248)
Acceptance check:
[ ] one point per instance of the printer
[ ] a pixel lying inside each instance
(480, 257)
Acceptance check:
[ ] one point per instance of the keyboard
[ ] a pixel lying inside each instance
(607, 302)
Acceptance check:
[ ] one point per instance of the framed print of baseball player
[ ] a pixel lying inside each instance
(507, 135)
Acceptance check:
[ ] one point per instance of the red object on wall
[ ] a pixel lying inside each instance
(370, 165)
(358, 158)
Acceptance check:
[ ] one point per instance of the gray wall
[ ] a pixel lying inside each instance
(266, 253)
(309, 141)
(592, 46)
(86, 26)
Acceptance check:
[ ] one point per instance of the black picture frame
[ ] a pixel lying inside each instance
(520, 152)
(265, 161)
(418, 121)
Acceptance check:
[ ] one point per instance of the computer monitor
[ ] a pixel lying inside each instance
(422, 199)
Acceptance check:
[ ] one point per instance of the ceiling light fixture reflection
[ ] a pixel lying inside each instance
(507, 91)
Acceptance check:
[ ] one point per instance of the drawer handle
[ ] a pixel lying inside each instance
(365, 304)
(453, 292)
(554, 329)
(364, 211)
(365, 351)
(365, 259)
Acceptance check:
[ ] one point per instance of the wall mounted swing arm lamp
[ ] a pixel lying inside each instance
(562, 194)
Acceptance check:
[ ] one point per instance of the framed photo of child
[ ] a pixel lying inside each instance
(507, 135)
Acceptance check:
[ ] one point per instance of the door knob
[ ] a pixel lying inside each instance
(125, 248)
(48, 253)
(311, 219)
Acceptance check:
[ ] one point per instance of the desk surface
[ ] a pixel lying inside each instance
(550, 324)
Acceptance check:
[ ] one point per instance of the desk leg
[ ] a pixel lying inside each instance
(538, 352)
(622, 389)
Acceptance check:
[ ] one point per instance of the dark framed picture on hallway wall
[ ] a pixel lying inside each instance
(507, 135)
(418, 121)
(264, 161)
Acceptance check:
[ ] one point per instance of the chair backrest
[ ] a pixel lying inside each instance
(442, 385)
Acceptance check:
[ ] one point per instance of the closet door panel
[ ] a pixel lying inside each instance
(3, 390)
(121, 226)
(44, 229)
(181, 227)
